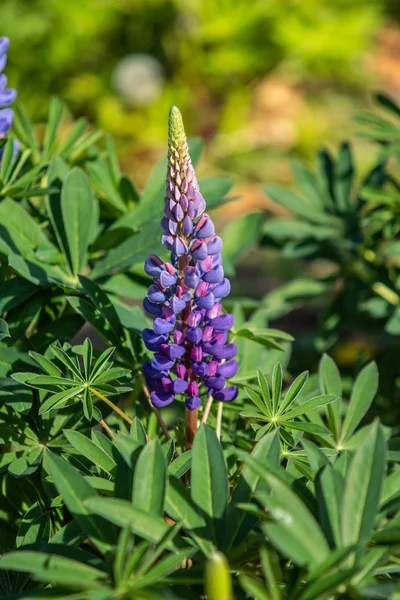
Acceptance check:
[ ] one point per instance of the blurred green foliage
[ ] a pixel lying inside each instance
(210, 55)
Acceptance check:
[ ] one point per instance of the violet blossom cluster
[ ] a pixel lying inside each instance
(190, 332)
(7, 95)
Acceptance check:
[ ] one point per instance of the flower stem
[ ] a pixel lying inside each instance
(112, 405)
(207, 409)
(107, 428)
(219, 419)
(153, 408)
(191, 427)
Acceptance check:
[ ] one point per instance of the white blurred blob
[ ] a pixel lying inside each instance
(138, 79)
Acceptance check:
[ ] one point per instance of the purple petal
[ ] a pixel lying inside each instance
(194, 334)
(179, 386)
(152, 268)
(192, 402)
(191, 278)
(228, 369)
(206, 302)
(216, 275)
(175, 351)
(6, 117)
(161, 326)
(153, 340)
(167, 280)
(177, 304)
(227, 394)
(216, 382)
(161, 399)
(214, 246)
(4, 44)
(200, 368)
(223, 322)
(151, 308)
(187, 226)
(151, 373)
(3, 82)
(3, 62)
(179, 246)
(206, 230)
(222, 289)
(199, 251)
(218, 350)
(162, 363)
(167, 241)
(7, 97)
(178, 212)
(155, 295)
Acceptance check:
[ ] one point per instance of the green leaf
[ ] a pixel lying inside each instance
(46, 364)
(329, 489)
(52, 568)
(276, 386)
(80, 215)
(209, 481)
(26, 464)
(254, 397)
(75, 491)
(264, 387)
(4, 333)
(59, 400)
(311, 404)
(344, 174)
(363, 488)
(294, 390)
(294, 531)
(144, 524)
(87, 357)
(180, 507)
(163, 568)
(238, 522)
(53, 123)
(90, 450)
(254, 588)
(181, 465)
(150, 480)
(363, 393)
(330, 383)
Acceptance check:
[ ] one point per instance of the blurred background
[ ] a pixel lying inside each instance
(257, 80)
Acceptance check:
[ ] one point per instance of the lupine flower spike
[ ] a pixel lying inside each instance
(189, 338)
(7, 95)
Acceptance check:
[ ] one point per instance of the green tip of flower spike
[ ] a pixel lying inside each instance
(176, 130)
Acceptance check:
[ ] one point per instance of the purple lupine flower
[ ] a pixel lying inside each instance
(190, 332)
(7, 96)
